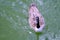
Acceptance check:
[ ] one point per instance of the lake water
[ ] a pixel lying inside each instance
(14, 20)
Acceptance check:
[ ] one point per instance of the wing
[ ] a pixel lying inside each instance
(32, 21)
(41, 21)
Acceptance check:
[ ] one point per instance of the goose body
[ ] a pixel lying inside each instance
(36, 20)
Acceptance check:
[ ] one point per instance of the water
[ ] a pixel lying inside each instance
(14, 20)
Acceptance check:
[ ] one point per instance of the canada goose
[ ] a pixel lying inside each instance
(36, 20)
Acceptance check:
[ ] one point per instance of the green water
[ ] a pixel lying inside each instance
(14, 20)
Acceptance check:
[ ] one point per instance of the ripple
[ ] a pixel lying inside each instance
(24, 11)
(19, 23)
(25, 27)
(25, 6)
(11, 18)
(17, 0)
(40, 2)
(30, 32)
(3, 11)
(1, 14)
(13, 4)
(17, 16)
(20, 2)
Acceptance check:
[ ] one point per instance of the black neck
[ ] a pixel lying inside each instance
(37, 19)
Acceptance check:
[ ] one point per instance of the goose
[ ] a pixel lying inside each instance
(36, 20)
